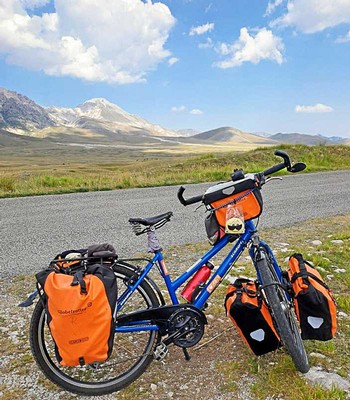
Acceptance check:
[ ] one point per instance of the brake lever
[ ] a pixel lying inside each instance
(271, 178)
(197, 208)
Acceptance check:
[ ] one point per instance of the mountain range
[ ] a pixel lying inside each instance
(98, 121)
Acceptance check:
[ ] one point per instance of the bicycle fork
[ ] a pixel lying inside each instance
(259, 251)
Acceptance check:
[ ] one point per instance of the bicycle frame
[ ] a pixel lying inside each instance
(211, 285)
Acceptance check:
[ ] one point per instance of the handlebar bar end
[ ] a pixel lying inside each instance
(189, 201)
(285, 157)
(180, 196)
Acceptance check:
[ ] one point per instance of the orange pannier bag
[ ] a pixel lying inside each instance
(251, 316)
(313, 300)
(244, 193)
(80, 308)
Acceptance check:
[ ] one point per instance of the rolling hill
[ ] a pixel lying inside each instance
(232, 135)
(299, 138)
(9, 139)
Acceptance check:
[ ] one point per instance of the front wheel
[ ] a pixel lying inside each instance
(282, 313)
(132, 351)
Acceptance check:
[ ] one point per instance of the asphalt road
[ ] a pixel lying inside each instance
(34, 229)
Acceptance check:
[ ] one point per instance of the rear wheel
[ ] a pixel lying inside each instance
(282, 312)
(132, 351)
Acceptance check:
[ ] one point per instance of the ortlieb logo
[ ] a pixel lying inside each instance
(77, 341)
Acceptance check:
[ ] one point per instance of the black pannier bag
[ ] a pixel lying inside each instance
(313, 300)
(251, 316)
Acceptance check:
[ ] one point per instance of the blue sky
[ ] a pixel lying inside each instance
(257, 65)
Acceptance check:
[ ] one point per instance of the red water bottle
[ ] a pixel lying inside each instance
(198, 280)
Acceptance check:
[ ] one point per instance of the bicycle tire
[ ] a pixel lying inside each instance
(132, 352)
(283, 316)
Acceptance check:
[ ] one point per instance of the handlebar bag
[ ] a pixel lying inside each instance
(251, 316)
(79, 309)
(245, 193)
(313, 300)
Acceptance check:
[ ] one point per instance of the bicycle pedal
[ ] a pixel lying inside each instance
(160, 352)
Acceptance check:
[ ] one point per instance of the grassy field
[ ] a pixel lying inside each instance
(222, 367)
(87, 170)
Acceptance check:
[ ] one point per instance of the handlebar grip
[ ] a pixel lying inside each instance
(278, 167)
(274, 169)
(187, 202)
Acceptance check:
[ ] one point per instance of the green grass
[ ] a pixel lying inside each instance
(35, 178)
(282, 380)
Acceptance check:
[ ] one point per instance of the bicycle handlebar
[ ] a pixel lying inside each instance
(278, 167)
(273, 169)
(187, 202)
(297, 167)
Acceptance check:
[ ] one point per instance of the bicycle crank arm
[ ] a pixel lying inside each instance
(177, 335)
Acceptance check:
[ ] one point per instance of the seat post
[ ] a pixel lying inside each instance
(153, 242)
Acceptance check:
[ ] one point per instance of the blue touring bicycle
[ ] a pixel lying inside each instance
(145, 326)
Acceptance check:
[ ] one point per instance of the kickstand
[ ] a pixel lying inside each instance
(186, 353)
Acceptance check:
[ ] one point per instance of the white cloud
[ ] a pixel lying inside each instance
(196, 111)
(344, 39)
(116, 42)
(172, 61)
(314, 15)
(199, 30)
(251, 48)
(317, 108)
(207, 45)
(272, 5)
(178, 109)
(208, 8)
(181, 109)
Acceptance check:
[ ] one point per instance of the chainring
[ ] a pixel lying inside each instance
(190, 326)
